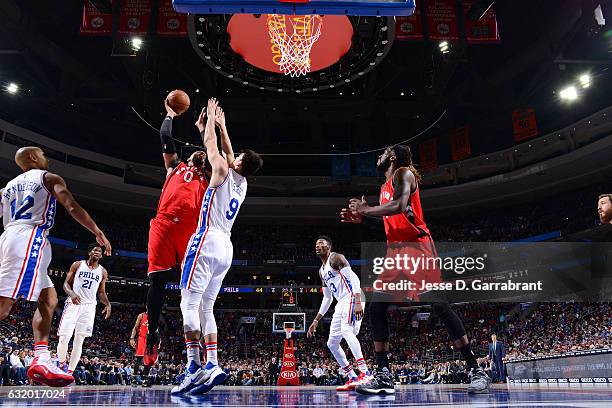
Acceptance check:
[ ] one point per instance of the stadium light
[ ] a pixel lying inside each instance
(444, 47)
(569, 94)
(585, 80)
(136, 43)
(12, 88)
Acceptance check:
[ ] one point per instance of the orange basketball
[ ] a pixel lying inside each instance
(178, 101)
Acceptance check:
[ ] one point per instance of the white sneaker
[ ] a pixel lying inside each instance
(213, 375)
(193, 374)
(44, 371)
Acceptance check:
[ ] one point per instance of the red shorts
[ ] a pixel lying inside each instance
(424, 272)
(140, 346)
(167, 243)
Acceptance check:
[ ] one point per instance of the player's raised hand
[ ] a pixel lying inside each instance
(212, 108)
(106, 311)
(346, 215)
(201, 122)
(102, 240)
(169, 111)
(358, 205)
(220, 117)
(312, 329)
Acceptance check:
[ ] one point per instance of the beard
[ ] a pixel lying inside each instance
(605, 218)
(384, 165)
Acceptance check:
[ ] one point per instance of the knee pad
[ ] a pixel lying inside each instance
(378, 320)
(190, 302)
(208, 322)
(333, 343)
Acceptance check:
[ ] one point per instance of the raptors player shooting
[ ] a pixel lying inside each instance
(170, 230)
(85, 281)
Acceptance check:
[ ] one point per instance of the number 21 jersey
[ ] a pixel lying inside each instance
(86, 283)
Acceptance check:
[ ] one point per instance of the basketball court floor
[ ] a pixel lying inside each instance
(441, 396)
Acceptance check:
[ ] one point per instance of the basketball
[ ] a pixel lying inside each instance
(178, 101)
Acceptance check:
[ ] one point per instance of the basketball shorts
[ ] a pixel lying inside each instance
(424, 271)
(141, 346)
(208, 258)
(77, 319)
(167, 243)
(25, 254)
(344, 320)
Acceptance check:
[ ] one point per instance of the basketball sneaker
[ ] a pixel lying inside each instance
(151, 355)
(380, 383)
(193, 374)
(214, 375)
(351, 384)
(479, 381)
(44, 371)
(64, 367)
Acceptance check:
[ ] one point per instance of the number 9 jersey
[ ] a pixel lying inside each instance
(209, 253)
(28, 212)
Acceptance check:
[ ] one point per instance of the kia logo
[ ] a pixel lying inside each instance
(288, 355)
(288, 364)
(288, 375)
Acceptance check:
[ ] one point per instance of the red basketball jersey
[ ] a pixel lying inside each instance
(181, 197)
(408, 226)
(144, 326)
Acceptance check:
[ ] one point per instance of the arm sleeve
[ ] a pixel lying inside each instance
(165, 133)
(326, 302)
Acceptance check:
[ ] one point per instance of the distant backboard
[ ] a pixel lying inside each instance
(282, 320)
(298, 7)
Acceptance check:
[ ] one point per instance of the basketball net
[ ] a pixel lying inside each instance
(294, 36)
(288, 331)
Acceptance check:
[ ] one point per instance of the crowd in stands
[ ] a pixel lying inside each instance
(570, 212)
(420, 348)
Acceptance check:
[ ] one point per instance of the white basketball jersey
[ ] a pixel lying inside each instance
(86, 282)
(221, 204)
(341, 284)
(26, 201)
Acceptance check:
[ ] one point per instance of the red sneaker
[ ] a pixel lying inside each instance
(151, 355)
(349, 386)
(45, 372)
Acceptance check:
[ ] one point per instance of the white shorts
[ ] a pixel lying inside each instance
(77, 319)
(25, 254)
(207, 260)
(344, 320)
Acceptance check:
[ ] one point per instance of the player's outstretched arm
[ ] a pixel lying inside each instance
(209, 136)
(70, 281)
(103, 296)
(226, 144)
(404, 183)
(57, 186)
(171, 158)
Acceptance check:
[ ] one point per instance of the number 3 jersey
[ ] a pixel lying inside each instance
(86, 283)
(342, 283)
(26, 201)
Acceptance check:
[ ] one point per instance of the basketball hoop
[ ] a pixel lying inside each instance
(294, 43)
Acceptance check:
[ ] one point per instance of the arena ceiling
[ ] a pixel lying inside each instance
(72, 88)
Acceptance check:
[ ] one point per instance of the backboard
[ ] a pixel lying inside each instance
(282, 320)
(298, 7)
